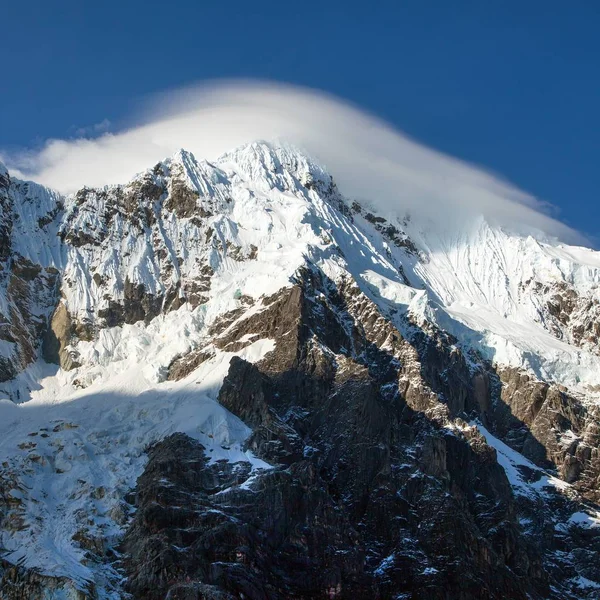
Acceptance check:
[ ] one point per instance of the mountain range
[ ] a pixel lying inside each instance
(229, 380)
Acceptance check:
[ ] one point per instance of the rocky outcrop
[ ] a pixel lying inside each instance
(21, 584)
(30, 293)
(568, 313)
(56, 345)
(551, 427)
(544, 422)
(78, 283)
(195, 529)
(368, 497)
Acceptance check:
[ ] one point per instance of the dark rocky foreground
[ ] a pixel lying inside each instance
(379, 487)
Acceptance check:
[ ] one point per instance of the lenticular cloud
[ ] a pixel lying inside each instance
(369, 159)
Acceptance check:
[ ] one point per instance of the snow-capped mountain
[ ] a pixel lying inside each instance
(229, 381)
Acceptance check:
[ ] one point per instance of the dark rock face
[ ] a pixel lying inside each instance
(30, 295)
(390, 231)
(182, 201)
(551, 428)
(224, 537)
(181, 367)
(138, 305)
(371, 493)
(18, 584)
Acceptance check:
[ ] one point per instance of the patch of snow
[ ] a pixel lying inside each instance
(76, 454)
(511, 461)
(583, 519)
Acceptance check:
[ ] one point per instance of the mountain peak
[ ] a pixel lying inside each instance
(183, 157)
(260, 157)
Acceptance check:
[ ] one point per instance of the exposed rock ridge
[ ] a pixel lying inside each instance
(341, 409)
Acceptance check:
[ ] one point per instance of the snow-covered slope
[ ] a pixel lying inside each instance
(243, 226)
(118, 284)
(523, 301)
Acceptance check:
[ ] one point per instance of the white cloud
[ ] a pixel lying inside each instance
(94, 129)
(368, 157)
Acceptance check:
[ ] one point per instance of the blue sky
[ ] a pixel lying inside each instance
(511, 86)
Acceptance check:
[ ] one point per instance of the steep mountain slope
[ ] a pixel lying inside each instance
(228, 381)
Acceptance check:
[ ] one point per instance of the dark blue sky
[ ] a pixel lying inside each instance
(513, 86)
